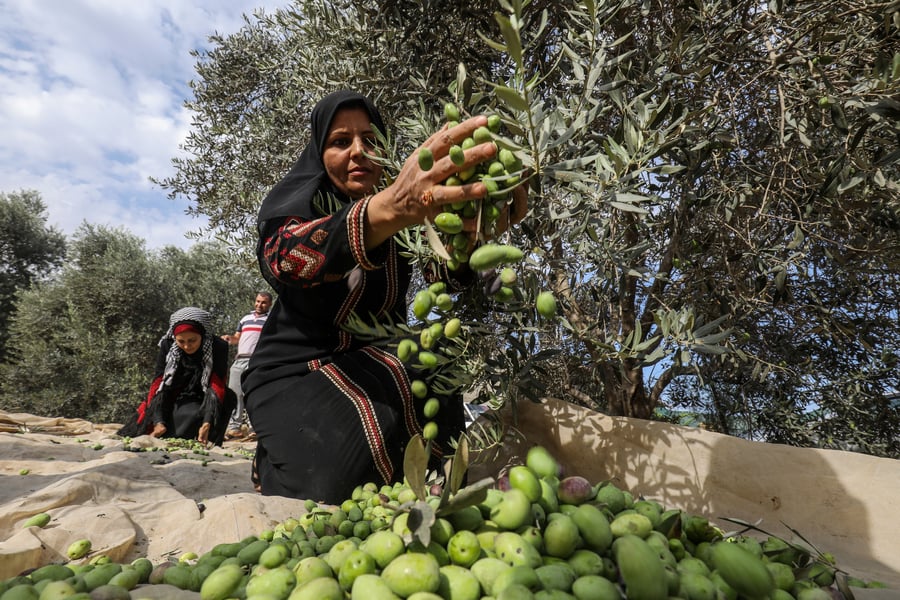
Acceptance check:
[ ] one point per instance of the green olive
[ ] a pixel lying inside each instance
(460, 256)
(491, 184)
(490, 213)
(496, 169)
(451, 112)
(426, 159)
(431, 408)
(457, 155)
(406, 348)
(504, 294)
(428, 359)
(482, 135)
(444, 302)
(449, 222)
(452, 327)
(419, 388)
(508, 159)
(422, 303)
(430, 431)
(546, 304)
(425, 338)
(460, 241)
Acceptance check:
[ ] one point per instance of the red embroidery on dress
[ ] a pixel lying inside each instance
(344, 339)
(287, 257)
(367, 418)
(301, 262)
(390, 295)
(295, 228)
(319, 236)
(356, 226)
(400, 377)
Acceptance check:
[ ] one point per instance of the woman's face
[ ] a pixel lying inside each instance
(350, 137)
(188, 341)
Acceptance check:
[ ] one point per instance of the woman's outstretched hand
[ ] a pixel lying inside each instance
(417, 194)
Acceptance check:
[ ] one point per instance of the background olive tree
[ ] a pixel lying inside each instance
(30, 251)
(714, 196)
(84, 343)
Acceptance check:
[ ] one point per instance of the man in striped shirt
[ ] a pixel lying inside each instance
(245, 338)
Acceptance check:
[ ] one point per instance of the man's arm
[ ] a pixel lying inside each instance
(233, 338)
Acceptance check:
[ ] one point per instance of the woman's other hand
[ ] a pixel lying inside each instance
(203, 434)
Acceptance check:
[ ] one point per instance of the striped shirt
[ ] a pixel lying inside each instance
(250, 327)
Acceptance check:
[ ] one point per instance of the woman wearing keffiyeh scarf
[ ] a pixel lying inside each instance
(187, 398)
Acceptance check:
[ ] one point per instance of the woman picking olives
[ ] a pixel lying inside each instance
(331, 411)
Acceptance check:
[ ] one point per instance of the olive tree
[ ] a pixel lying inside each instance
(29, 251)
(736, 219)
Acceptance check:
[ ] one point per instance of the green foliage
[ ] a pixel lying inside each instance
(714, 191)
(29, 251)
(84, 344)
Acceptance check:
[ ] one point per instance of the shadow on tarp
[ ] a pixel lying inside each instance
(842, 502)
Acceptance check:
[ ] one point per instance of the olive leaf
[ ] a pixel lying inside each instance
(511, 36)
(511, 97)
(468, 496)
(421, 518)
(459, 464)
(843, 586)
(434, 241)
(671, 525)
(415, 463)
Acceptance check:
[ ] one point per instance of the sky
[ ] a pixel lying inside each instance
(91, 105)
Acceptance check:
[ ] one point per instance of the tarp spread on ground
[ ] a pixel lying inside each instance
(160, 504)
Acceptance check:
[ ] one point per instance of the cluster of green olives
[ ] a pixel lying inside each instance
(433, 306)
(500, 176)
(422, 352)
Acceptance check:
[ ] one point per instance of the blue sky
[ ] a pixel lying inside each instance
(91, 105)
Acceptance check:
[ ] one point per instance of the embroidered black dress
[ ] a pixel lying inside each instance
(330, 411)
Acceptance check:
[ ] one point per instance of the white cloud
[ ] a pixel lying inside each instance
(91, 105)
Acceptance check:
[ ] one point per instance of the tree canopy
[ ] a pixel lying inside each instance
(714, 192)
(29, 250)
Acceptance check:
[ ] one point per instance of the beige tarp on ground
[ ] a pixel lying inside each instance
(129, 504)
(162, 504)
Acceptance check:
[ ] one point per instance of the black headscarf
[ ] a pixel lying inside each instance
(293, 195)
